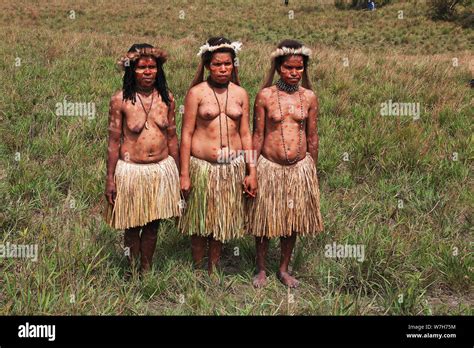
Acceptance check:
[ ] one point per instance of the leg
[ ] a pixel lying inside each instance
(215, 249)
(148, 244)
(198, 249)
(132, 245)
(287, 244)
(261, 244)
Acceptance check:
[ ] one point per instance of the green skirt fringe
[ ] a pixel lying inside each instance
(215, 206)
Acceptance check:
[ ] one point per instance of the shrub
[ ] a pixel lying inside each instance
(444, 9)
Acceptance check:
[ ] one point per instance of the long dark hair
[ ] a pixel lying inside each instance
(130, 82)
(207, 57)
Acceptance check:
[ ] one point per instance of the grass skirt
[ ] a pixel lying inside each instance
(145, 192)
(287, 200)
(215, 206)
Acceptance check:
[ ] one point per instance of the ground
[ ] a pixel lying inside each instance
(399, 186)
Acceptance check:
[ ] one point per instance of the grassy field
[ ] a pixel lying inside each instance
(403, 188)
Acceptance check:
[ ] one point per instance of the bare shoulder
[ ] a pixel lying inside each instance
(309, 93)
(117, 99)
(118, 95)
(265, 93)
(240, 90)
(197, 91)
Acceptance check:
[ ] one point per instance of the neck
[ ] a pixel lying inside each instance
(145, 90)
(283, 86)
(215, 84)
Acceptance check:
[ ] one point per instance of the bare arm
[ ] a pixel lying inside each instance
(113, 149)
(173, 148)
(258, 123)
(312, 128)
(245, 135)
(191, 103)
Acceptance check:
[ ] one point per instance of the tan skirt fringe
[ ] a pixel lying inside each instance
(145, 192)
(288, 200)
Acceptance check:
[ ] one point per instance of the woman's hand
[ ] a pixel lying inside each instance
(250, 185)
(185, 183)
(110, 191)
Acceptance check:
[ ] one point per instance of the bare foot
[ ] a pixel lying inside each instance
(260, 280)
(287, 279)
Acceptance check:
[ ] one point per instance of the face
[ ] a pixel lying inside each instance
(292, 69)
(145, 72)
(220, 68)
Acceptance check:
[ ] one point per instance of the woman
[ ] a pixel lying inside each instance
(142, 185)
(214, 135)
(285, 133)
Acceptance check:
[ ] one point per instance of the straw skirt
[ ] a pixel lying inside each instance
(145, 192)
(288, 200)
(215, 206)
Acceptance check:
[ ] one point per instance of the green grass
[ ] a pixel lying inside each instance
(418, 257)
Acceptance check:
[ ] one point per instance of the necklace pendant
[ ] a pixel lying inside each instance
(146, 125)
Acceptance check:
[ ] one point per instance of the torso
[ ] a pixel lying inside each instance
(141, 145)
(209, 133)
(291, 110)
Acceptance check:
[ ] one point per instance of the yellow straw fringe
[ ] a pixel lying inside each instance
(145, 192)
(287, 200)
(216, 204)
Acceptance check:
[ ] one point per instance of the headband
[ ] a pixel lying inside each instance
(157, 53)
(285, 51)
(236, 46)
